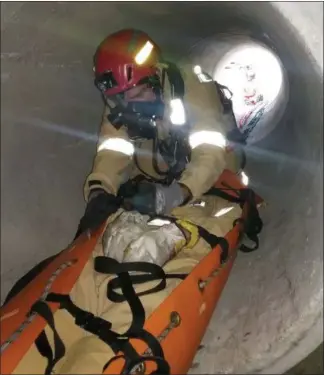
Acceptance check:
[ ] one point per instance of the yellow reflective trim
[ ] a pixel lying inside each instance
(177, 115)
(207, 137)
(116, 144)
(144, 53)
(193, 230)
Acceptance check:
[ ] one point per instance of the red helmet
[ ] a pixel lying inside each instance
(125, 59)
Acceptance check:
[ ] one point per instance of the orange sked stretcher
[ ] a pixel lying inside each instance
(179, 322)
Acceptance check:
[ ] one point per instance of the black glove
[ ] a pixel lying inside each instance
(152, 198)
(100, 206)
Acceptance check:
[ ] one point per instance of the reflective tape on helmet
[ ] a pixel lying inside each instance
(118, 145)
(207, 137)
(177, 116)
(144, 53)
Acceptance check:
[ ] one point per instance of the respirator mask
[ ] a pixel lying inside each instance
(141, 117)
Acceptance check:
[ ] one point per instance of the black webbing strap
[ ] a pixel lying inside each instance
(222, 194)
(213, 241)
(42, 343)
(102, 328)
(88, 321)
(163, 365)
(253, 224)
(151, 272)
(125, 282)
(43, 346)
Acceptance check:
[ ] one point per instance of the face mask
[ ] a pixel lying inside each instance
(139, 118)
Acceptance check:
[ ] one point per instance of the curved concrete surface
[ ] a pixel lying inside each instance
(269, 317)
(259, 93)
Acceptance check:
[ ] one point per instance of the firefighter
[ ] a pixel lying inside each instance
(159, 122)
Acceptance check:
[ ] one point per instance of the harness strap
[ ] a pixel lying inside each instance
(86, 320)
(118, 342)
(101, 327)
(43, 346)
(42, 343)
(253, 225)
(125, 281)
(95, 325)
(222, 194)
(103, 264)
(213, 241)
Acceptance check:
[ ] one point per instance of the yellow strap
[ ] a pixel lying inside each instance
(192, 229)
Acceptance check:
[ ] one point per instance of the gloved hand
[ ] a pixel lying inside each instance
(152, 198)
(100, 206)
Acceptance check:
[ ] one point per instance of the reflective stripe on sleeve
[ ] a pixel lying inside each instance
(207, 137)
(118, 145)
(177, 116)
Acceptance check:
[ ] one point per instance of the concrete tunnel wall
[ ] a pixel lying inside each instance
(270, 314)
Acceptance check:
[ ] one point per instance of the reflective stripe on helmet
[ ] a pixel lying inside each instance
(144, 53)
(207, 137)
(118, 145)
